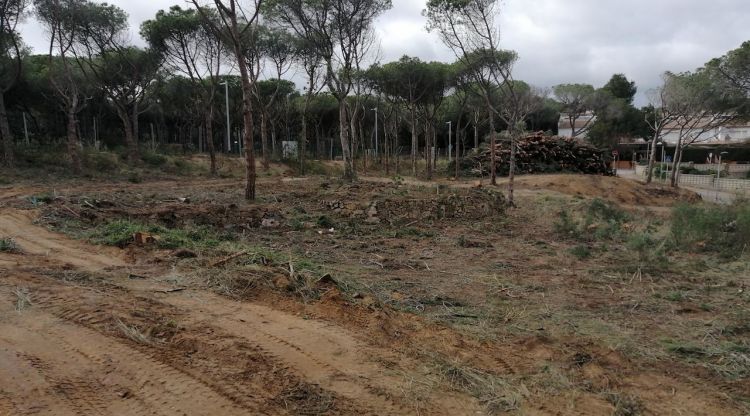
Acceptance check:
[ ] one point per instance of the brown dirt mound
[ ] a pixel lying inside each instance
(619, 190)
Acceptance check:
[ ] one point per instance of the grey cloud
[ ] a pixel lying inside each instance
(558, 41)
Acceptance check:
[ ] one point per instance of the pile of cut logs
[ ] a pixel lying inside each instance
(537, 153)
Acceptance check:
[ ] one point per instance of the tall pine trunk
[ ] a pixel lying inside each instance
(209, 139)
(8, 142)
(652, 159)
(414, 141)
(493, 150)
(349, 173)
(131, 145)
(72, 142)
(512, 167)
(264, 139)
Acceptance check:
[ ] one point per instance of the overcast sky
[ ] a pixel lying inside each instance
(559, 41)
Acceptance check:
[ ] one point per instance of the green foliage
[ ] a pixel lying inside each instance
(600, 220)
(100, 161)
(567, 226)
(153, 159)
(717, 228)
(581, 251)
(135, 177)
(9, 245)
(412, 232)
(621, 88)
(297, 224)
(325, 222)
(308, 167)
(120, 233)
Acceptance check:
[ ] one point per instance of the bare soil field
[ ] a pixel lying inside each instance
(382, 297)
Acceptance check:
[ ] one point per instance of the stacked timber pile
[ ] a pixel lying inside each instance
(537, 153)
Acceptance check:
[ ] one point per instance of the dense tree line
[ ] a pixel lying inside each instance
(95, 87)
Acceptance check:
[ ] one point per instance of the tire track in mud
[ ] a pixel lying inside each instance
(370, 399)
(37, 241)
(318, 353)
(189, 378)
(96, 375)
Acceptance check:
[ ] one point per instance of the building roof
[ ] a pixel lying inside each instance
(581, 122)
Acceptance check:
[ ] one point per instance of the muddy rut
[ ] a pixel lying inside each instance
(127, 347)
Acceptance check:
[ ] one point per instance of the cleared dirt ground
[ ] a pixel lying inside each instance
(313, 302)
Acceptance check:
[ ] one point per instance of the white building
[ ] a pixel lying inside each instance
(737, 132)
(582, 125)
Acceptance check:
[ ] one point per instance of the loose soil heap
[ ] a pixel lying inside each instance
(538, 153)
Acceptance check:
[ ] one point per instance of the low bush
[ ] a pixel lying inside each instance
(154, 159)
(718, 228)
(120, 233)
(8, 245)
(100, 161)
(600, 220)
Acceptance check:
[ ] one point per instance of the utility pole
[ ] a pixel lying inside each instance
(450, 141)
(376, 132)
(229, 132)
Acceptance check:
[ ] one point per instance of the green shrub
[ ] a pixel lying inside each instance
(100, 161)
(134, 177)
(120, 233)
(8, 245)
(566, 225)
(297, 224)
(116, 233)
(325, 222)
(154, 159)
(601, 221)
(308, 167)
(718, 228)
(581, 252)
(606, 211)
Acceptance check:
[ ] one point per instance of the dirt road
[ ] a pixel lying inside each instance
(78, 337)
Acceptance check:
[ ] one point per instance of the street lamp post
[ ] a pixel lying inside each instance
(450, 140)
(376, 131)
(229, 134)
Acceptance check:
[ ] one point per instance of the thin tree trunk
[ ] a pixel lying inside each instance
(130, 144)
(349, 173)
(512, 168)
(414, 142)
(493, 151)
(5, 132)
(73, 148)
(318, 149)
(674, 179)
(274, 149)
(652, 159)
(354, 133)
(476, 130)
(428, 137)
(136, 123)
(303, 142)
(209, 139)
(264, 139)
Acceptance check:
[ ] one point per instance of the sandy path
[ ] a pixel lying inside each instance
(62, 341)
(37, 241)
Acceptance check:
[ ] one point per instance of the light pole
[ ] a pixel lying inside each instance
(376, 132)
(450, 139)
(229, 134)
